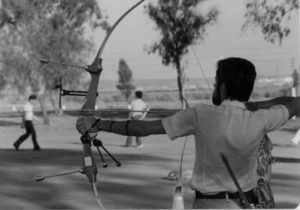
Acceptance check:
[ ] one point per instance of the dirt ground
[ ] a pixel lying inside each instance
(139, 183)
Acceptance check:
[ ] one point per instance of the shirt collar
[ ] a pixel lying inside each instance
(233, 103)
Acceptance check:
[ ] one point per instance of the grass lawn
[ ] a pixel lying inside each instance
(138, 184)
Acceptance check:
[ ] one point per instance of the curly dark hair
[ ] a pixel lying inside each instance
(139, 94)
(238, 75)
(32, 97)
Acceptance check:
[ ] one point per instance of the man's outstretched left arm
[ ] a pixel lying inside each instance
(126, 128)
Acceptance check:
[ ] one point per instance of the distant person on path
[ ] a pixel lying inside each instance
(137, 108)
(28, 117)
(233, 126)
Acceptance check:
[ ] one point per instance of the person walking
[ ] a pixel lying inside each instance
(28, 117)
(231, 126)
(138, 112)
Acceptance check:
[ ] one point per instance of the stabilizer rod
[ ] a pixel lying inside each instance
(42, 178)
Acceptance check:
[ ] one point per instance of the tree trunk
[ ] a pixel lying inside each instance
(180, 84)
(56, 106)
(42, 102)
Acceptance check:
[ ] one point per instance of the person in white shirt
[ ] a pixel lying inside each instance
(28, 117)
(137, 108)
(231, 126)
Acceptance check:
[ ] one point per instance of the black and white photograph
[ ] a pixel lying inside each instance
(149, 104)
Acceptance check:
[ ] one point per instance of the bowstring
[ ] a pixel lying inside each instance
(193, 50)
(208, 85)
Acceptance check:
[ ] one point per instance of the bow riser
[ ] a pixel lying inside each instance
(89, 163)
(95, 70)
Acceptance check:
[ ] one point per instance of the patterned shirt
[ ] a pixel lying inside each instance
(263, 175)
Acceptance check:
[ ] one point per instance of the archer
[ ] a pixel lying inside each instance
(232, 126)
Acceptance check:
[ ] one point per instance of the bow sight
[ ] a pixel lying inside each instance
(64, 92)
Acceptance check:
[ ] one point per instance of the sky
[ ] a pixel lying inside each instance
(224, 39)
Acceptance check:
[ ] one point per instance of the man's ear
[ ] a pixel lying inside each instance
(220, 93)
(216, 97)
(223, 91)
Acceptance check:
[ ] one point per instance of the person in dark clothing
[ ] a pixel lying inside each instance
(28, 117)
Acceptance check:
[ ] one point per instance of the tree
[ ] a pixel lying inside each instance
(271, 17)
(33, 29)
(180, 26)
(125, 79)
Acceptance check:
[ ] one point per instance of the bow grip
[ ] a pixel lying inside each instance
(89, 166)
